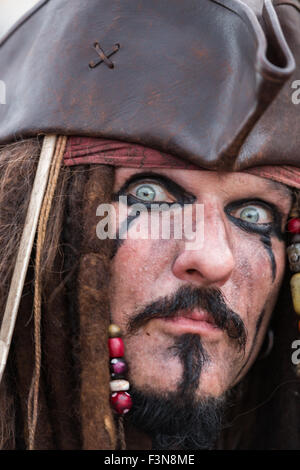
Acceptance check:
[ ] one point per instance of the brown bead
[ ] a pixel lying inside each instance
(114, 331)
(294, 212)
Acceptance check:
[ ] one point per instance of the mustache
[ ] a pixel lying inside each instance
(188, 298)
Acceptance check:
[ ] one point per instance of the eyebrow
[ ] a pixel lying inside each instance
(280, 187)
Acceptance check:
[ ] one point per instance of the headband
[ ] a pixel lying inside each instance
(90, 150)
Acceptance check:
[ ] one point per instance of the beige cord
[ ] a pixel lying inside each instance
(25, 248)
(37, 303)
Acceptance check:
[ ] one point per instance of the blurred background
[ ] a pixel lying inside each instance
(11, 11)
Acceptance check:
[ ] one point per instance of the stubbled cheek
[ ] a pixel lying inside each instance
(141, 271)
(267, 243)
(251, 283)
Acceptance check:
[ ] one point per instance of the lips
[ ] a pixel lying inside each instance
(195, 321)
(197, 315)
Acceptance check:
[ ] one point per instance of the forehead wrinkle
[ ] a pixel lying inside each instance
(274, 185)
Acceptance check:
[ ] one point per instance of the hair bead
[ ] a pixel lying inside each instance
(120, 399)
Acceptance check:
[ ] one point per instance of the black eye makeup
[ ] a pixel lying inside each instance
(262, 218)
(152, 188)
(256, 216)
(251, 215)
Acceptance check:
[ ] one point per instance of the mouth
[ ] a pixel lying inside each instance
(196, 321)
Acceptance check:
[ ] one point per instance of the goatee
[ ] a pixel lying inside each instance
(178, 420)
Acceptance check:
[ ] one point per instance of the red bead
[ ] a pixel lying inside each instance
(294, 225)
(116, 347)
(121, 402)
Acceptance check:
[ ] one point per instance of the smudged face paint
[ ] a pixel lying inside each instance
(261, 218)
(162, 292)
(150, 191)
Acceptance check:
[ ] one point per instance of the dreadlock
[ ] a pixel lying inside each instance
(73, 395)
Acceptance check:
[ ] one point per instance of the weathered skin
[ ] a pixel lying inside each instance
(232, 259)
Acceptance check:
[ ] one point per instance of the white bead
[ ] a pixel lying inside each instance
(119, 385)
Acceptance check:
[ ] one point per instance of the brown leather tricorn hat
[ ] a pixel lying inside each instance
(206, 80)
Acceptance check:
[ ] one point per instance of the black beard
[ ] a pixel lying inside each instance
(193, 357)
(176, 424)
(177, 420)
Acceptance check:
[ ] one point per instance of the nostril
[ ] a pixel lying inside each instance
(191, 271)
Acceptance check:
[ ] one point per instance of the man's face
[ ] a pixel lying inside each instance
(217, 297)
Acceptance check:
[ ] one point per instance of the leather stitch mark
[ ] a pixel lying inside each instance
(103, 56)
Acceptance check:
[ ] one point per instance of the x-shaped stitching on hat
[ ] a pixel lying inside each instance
(103, 56)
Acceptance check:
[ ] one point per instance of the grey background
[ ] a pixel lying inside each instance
(11, 11)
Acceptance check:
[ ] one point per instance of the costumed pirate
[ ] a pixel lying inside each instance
(144, 341)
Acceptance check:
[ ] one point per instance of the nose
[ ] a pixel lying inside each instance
(212, 262)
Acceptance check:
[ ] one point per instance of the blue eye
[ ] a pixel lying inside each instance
(254, 215)
(250, 214)
(150, 192)
(145, 192)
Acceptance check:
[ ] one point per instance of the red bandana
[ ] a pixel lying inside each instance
(89, 150)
